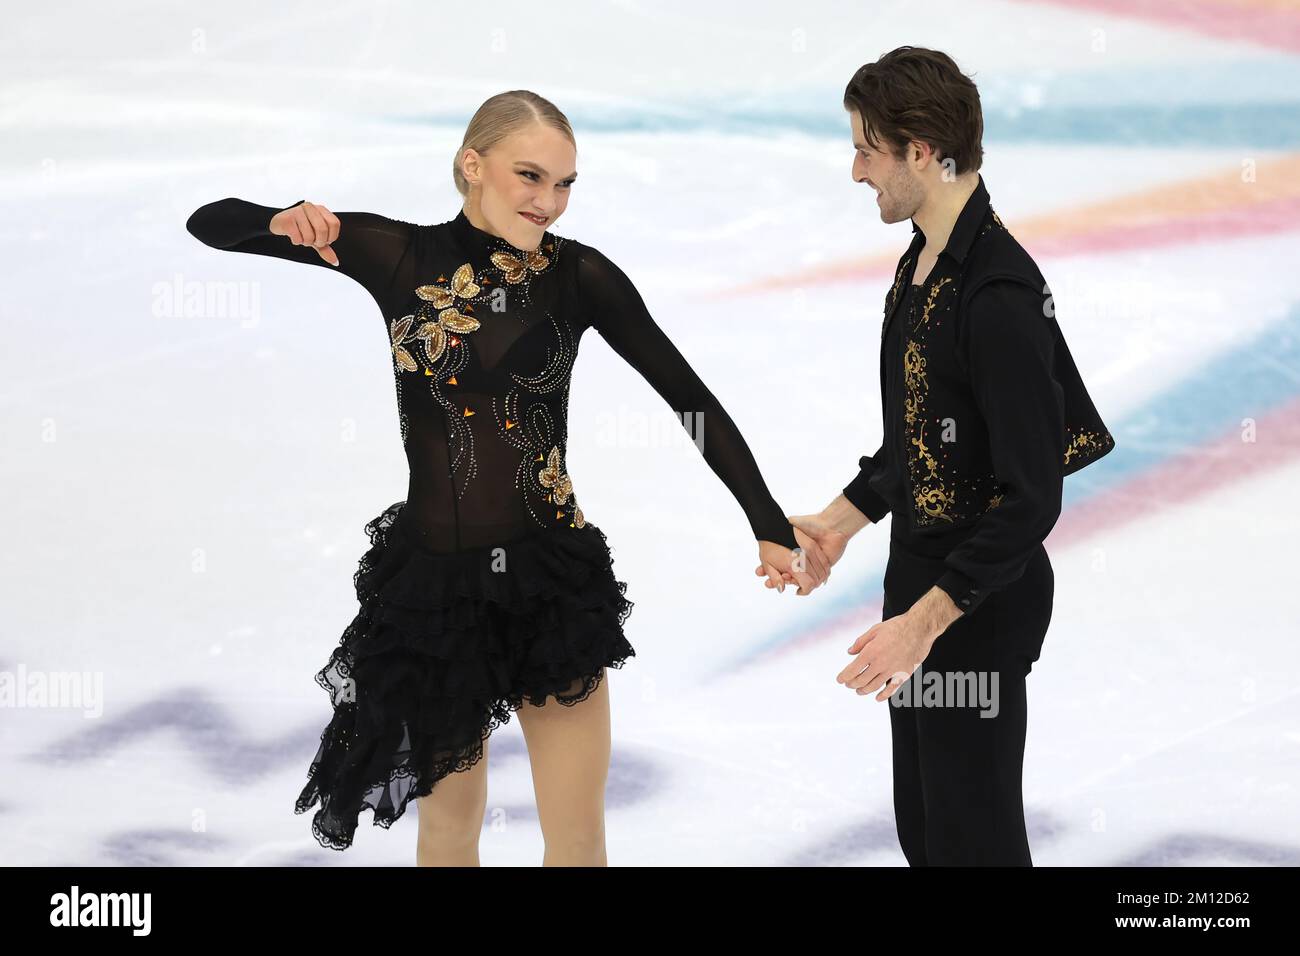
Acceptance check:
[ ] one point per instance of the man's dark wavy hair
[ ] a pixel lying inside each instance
(912, 93)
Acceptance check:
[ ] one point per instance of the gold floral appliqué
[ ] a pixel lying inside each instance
(553, 476)
(516, 269)
(434, 333)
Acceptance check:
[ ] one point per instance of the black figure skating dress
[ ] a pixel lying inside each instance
(487, 587)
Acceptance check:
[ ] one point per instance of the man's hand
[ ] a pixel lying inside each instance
(832, 541)
(781, 565)
(890, 651)
(830, 530)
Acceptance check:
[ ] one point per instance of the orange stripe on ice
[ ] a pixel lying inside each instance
(1210, 208)
(1271, 23)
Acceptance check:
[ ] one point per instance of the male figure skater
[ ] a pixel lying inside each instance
(984, 414)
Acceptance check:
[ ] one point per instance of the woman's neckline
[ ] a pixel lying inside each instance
(483, 241)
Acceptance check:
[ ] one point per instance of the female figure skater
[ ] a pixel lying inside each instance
(487, 587)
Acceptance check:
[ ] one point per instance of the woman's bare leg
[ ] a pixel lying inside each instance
(451, 818)
(569, 749)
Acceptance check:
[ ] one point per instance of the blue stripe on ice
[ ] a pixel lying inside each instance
(1213, 399)
(1257, 78)
(1249, 101)
(1254, 125)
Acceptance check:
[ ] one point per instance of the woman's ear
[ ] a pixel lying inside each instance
(470, 163)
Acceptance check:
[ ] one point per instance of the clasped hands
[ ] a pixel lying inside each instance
(821, 538)
(888, 652)
(808, 567)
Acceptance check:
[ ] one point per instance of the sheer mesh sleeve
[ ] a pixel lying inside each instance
(612, 305)
(371, 248)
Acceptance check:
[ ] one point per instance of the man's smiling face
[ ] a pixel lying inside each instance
(898, 189)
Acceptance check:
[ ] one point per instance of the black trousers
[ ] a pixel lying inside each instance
(958, 723)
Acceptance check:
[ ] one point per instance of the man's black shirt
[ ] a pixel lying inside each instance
(983, 409)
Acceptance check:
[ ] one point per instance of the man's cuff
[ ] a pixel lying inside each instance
(861, 495)
(962, 590)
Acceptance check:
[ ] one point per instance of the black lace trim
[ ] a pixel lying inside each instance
(381, 757)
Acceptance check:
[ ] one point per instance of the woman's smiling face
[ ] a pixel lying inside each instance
(522, 183)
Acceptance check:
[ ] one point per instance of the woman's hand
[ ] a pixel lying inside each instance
(309, 224)
(780, 564)
(828, 530)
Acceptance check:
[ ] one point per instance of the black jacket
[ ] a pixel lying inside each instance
(984, 411)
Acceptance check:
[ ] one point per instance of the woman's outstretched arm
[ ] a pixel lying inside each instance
(369, 248)
(613, 306)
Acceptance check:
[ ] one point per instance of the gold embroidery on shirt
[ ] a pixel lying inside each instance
(929, 302)
(898, 280)
(892, 296)
(938, 492)
(1082, 442)
(930, 492)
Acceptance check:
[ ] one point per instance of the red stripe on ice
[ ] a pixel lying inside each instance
(1267, 23)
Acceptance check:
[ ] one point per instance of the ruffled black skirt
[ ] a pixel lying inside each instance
(444, 648)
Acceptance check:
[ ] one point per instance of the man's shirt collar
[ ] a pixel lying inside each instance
(967, 226)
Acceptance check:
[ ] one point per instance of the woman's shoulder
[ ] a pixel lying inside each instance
(589, 261)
